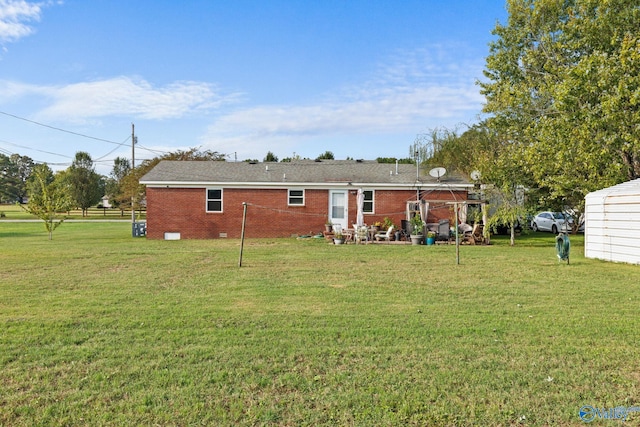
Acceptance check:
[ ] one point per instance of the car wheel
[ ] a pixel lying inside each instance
(534, 226)
(554, 229)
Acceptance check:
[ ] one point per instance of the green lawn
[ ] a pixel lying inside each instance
(99, 328)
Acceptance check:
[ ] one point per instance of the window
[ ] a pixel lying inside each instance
(214, 199)
(296, 197)
(368, 201)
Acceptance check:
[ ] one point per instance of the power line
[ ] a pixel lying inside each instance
(60, 129)
(33, 149)
(152, 150)
(102, 157)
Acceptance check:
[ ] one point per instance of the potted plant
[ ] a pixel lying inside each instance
(431, 237)
(338, 238)
(327, 226)
(376, 226)
(416, 226)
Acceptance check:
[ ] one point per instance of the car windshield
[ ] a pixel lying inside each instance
(558, 215)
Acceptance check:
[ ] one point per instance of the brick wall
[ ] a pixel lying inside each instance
(183, 210)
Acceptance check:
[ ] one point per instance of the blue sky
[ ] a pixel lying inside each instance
(242, 77)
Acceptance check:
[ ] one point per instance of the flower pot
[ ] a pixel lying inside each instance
(338, 241)
(416, 239)
(431, 240)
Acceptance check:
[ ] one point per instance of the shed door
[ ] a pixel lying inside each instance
(338, 207)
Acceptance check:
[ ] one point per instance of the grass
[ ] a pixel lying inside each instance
(99, 328)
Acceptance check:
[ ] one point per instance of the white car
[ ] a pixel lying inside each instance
(552, 221)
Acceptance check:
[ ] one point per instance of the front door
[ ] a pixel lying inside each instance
(338, 208)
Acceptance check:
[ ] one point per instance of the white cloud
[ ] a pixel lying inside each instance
(412, 91)
(120, 96)
(15, 17)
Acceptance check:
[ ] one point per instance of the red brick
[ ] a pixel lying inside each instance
(183, 210)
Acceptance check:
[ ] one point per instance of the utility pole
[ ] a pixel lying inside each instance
(133, 166)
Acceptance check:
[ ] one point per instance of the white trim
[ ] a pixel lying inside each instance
(289, 190)
(373, 202)
(207, 199)
(344, 220)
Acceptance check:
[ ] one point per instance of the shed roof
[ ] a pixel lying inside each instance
(626, 188)
(307, 172)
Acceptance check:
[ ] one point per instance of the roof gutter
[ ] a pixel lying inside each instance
(318, 185)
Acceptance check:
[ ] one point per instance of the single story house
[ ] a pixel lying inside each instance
(611, 226)
(205, 199)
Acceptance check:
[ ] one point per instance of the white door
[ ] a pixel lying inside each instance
(338, 207)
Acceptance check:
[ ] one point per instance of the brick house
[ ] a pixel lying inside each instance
(205, 200)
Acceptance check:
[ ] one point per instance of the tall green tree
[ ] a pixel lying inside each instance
(270, 157)
(327, 155)
(113, 185)
(563, 90)
(8, 180)
(14, 172)
(86, 185)
(49, 197)
(24, 165)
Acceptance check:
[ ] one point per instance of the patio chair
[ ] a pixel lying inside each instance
(443, 230)
(362, 233)
(384, 236)
(477, 235)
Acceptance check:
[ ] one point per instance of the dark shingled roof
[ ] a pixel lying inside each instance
(170, 172)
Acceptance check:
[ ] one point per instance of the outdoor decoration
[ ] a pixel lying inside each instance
(562, 247)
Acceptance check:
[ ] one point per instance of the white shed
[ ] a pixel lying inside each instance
(612, 223)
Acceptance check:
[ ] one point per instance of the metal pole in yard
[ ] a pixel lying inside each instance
(244, 219)
(457, 239)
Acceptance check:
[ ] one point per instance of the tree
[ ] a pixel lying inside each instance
(405, 161)
(8, 181)
(14, 172)
(327, 155)
(132, 192)
(121, 167)
(270, 157)
(428, 146)
(86, 185)
(502, 173)
(113, 185)
(48, 197)
(563, 91)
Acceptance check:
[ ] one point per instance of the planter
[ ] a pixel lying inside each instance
(431, 240)
(416, 239)
(338, 241)
(328, 227)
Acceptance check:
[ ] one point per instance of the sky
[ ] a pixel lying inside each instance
(360, 78)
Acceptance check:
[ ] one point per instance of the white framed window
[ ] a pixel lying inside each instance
(295, 198)
(368, 201)
(214, 199)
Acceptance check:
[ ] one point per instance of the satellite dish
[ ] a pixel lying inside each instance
(475, 175)
(437, 173)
